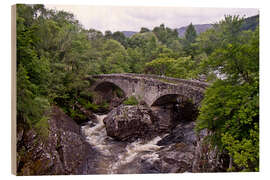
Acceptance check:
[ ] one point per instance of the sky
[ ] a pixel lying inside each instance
(119, 18)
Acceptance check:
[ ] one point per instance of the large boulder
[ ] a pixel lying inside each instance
(130, 122)
(64, 151)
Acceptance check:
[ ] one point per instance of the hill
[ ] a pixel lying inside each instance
(198, 27)
(250, 23)
(129, 33)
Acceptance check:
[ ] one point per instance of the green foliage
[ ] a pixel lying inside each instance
(42, 127)
(120, 37)
(131, 101)
(231, 112)
(143, 30)
(115, 56)
(160, 66)
(183, 67)
(91, 106)
(165, 35)
(188, 42)
(230, 109)
(250, 23)
(190, 34)
(77, 115)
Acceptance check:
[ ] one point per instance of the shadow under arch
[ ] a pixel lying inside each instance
(108, 93)
(171, 109)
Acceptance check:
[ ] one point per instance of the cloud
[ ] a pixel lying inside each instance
(118, 18)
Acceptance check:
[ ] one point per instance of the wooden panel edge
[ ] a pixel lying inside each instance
(13, 92)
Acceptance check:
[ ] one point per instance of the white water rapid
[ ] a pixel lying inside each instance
(117, 155)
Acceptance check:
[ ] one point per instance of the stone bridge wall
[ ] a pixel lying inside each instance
(149, 87)
(170, 79)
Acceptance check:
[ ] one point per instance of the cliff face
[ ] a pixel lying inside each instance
(63, 152)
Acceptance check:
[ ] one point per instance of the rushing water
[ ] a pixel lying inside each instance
(118, 157)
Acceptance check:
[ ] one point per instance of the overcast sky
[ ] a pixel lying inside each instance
(133, 18)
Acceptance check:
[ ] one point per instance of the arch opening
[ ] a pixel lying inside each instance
(172, 109)
(108, 95)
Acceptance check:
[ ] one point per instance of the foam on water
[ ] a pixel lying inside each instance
(97, 136)
(136, 149)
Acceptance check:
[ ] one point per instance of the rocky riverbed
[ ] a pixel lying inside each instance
(127, 140)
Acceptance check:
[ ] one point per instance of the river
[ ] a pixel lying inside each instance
(140, 156)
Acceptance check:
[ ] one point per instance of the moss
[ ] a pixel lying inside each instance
(42, 127)
(131, 101)
(119, 93)
(168, 81)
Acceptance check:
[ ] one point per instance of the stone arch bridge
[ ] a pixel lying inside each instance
(152, 89)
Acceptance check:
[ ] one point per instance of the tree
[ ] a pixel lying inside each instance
(115, 57)
(143, 30)
(160, 66)
(230, 109)
(33, 70)
(108, 34)
(189, 40)
(120, 37)
(190, 34)
(165, 35)
(183, 67)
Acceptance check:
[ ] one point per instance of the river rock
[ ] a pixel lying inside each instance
(64, 151)
(185, 151)
(128, 122)
(183, 132)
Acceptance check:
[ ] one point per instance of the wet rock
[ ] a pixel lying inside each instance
(183, 132)
(129, 122)
(64, 151)
(208, 158)
(150, 167)
(176, 158)
(185, 151)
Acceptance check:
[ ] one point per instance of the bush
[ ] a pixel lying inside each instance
(131, 101)
(91, 106)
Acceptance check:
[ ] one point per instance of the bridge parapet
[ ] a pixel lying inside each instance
(160, 78)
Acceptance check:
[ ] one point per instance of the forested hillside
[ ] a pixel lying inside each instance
(55, 54)
(198, 27)
(249, 23)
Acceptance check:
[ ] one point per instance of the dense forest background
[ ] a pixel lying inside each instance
(55, 54)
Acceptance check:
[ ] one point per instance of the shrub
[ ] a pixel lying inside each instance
(131, 101)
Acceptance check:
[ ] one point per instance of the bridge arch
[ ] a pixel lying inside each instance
(169, 99)
(105, 86)
(108, 94)
(179, 107)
